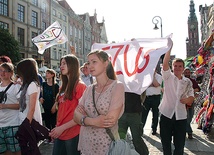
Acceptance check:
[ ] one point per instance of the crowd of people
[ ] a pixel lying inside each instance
(89, 100)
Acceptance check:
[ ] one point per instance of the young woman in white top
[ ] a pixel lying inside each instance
(9, 111)
(30, 91)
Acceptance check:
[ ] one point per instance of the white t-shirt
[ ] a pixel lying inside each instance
(32, 88)
(10, 117)
(155, 90)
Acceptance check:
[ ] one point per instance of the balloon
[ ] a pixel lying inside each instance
(200, 59)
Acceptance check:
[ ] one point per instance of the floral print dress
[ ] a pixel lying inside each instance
(94, 140)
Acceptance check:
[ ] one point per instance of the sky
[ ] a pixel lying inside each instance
(125, 20)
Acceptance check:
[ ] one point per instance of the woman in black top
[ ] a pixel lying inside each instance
(49, 88)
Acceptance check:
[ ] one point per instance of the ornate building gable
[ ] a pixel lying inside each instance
(103, 34)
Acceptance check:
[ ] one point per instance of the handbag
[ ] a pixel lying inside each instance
(117, 147)
(3, 93)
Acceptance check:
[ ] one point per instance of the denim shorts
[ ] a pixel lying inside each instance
(8, 142)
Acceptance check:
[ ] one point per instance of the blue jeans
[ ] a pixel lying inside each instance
(172, 128)
(66, 147)
(133, 120)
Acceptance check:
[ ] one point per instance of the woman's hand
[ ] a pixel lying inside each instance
(56, 132)
(41, 100)
(105, 121)
(54, 108)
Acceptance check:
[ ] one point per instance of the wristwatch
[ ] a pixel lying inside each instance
(82, 121)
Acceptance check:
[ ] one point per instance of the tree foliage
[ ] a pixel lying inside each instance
(9, 46)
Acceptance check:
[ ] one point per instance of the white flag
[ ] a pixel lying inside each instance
(53, 35)
(135, 61)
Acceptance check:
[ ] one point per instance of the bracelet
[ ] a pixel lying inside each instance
(82, 121)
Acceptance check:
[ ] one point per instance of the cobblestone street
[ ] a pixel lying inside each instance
(200, 145)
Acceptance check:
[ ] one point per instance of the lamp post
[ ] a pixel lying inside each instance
(156, 20)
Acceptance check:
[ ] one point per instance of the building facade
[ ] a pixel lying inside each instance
(26, 19)
(207, 21)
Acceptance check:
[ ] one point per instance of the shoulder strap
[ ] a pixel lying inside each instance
(93, 90)
(6, 89)
(108, 131)
(91, 80)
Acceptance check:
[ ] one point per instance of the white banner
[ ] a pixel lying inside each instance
(53, 35)
(135, 61)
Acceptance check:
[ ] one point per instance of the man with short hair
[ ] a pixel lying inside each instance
(86, 76)
(178, 93)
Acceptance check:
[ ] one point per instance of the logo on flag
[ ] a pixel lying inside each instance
(53, 35)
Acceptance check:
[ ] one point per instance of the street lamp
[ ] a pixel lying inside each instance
(156, 20)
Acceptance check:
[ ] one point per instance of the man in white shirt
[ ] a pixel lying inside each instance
(86, 76)
(178, 93)
(152, 101)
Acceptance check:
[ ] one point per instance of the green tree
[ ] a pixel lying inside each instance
(9, 46)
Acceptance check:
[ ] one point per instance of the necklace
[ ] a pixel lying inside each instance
(102, 90)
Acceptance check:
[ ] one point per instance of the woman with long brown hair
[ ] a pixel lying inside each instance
(66, 132)
(95, 115)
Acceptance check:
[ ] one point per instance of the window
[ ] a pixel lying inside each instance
(79, 34)
(44, 7)
(35, 2)
(21, 13)
(64, 53)
(21, 36)
(34, 34)
(76, 32)
(64, 18)
(64, 29)
(71, 30)
(4, 25)
(59, 15)
(34, 18)
(54, 55)
(4, 7)
(64, 45)
(75, 46)
(44, 26)
(54, 12)
(60, 55)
